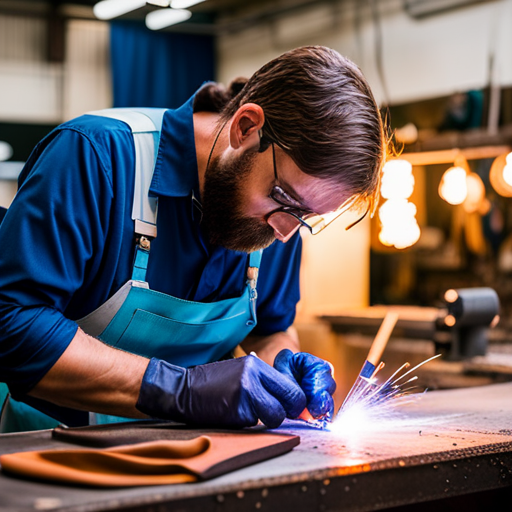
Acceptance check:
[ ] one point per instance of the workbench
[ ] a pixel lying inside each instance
(448, 449)
(415, 338)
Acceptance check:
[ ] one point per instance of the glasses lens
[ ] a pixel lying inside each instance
(285, 224)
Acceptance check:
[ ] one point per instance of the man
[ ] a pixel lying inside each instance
(80, 341)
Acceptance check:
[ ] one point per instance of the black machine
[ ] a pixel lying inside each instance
(462, 329)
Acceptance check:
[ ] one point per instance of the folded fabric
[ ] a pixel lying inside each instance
(150, 463)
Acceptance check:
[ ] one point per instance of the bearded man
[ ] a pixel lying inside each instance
(109, 311)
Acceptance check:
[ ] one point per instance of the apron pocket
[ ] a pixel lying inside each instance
(181, 343)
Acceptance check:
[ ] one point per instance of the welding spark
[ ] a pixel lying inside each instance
(370, 403)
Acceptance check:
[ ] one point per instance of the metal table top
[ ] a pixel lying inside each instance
(445, 444)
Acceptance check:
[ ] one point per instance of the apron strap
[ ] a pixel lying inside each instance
(146, 125)
(253, 270)
(255, 258)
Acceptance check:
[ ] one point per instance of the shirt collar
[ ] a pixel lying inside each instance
(176, 172)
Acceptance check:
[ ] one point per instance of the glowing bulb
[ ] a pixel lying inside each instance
(496, 175)
(450, 320)
(453, 187)
(451, 295)
(397, 180)
(109, 9)
(407, 236)
(396, 211)
(162, 18)
(397, 165)
(399, 225)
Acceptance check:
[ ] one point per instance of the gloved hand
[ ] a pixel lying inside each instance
(233, 393)
(314, 376)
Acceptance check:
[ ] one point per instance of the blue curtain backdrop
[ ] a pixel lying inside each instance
(157, 69)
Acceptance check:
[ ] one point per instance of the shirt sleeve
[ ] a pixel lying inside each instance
(278, 286)
(54, 226)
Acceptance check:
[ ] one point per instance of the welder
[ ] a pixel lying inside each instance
(141, 249)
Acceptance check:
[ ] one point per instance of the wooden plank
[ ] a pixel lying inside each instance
(448, 156)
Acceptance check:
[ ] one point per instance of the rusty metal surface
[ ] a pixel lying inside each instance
(447, 444)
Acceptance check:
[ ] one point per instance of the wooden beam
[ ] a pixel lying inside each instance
(448, 156)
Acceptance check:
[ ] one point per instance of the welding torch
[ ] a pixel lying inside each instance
(371, 365)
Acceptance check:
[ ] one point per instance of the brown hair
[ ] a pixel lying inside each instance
(320, 110)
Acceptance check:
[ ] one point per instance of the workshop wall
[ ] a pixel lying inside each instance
(38, 93)
(426, 57)
(36, 90)
(30, 85)
(87, 83)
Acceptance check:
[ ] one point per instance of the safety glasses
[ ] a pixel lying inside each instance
(291, 214)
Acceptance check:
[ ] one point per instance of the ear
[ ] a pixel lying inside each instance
(245, 126)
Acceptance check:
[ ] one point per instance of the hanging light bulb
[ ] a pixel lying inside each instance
(453, 187)
(401, 233)
(397, 179)
(397, 215)
(499, 175)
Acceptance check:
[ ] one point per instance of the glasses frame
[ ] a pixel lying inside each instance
(290, 210)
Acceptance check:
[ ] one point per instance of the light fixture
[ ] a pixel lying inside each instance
(399, 227)
(397, 180)
(183, 4)
(397, 215)
(499, 175)
(162, 18)
(453, 187)
(109, 9)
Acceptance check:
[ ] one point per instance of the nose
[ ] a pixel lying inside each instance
(284, 225)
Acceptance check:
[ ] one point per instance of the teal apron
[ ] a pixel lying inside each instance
(143, 321)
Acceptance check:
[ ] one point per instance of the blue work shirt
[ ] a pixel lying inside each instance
(67, 241)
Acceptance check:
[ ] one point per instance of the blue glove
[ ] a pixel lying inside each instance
(233, 393)
(314, 376)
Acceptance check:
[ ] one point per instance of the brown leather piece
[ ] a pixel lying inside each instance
(150, 463)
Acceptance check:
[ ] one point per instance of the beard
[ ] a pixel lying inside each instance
(223, 219)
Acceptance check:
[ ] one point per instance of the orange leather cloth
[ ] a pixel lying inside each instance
(150, 463)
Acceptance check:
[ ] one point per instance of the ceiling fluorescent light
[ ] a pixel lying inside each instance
(183, 4)
(162, 18)
(109, 9)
